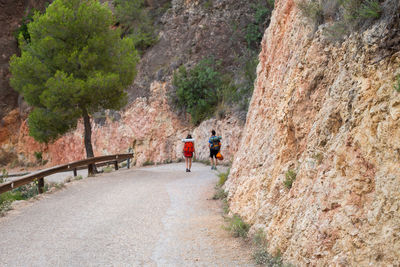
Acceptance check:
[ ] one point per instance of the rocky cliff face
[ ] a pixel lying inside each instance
(148, 126)
(12, 12)
(329, 113)
(189, 31)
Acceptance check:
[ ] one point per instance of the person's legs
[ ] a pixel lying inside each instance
(186, 161)
(190, 163)
(211, 160)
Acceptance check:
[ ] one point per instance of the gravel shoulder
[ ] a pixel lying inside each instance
(152, 216)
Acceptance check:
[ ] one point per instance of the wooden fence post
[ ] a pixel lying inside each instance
(90, 170)
(75, 172)
(40, 185)
(116, 165)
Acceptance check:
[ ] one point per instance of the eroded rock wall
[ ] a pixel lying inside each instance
(11, 14)
(148, 126)
(189, 32)
(328, 112)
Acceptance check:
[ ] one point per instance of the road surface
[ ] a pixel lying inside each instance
(152, 216)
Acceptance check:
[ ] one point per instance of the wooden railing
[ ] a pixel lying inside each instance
(89, 163)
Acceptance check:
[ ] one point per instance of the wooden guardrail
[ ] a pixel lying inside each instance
(73, 166)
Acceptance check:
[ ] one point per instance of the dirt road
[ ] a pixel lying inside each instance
(154, 216)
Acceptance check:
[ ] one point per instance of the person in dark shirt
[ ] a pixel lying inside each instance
(214, 143)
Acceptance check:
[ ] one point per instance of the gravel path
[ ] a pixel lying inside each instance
(154, 216)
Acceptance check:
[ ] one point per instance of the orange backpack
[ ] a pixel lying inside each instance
(189, 147)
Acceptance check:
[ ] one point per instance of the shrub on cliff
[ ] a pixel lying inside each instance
(256, 28)
(290, 177)
(196, 90)
(347, 15)
(135, 22)
(237, 226)
(74, 65)
(397, 85)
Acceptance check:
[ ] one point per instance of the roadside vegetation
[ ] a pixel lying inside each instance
(344, 16)
(237, 227)
(10, 158)
(210, 88)
(261, 255)
(27, 191)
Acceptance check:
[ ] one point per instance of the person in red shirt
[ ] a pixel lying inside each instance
(188, 152)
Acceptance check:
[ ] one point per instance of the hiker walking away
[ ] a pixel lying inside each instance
(214, 143)
(188, 151)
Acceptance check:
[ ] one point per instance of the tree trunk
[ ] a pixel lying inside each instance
(88, 134)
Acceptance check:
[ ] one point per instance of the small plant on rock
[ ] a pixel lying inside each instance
(223, 176)
(261, 255)
(208, 4)
(319, 157)
(397, 85)
(148, 163)
(370, 9)
(237, 226)
(220, 194)
(290, 177)
(312, 10)
(347, 15)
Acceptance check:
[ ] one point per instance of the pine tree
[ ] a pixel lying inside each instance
(74, 64)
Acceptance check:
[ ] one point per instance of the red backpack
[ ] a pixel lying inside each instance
(189, 147)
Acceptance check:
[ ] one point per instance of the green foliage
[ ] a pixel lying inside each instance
(108, 169)
(253, 35)
(26, 192)
(312, 10)
(123, 164)
(290, 177)
(220, 193)
(237, 226)
(243, 95)
(255, 29)
(5, 204)
(261, 255)
(319, 157)
(75, 63)
(370, 9)
(197, 90)
(348, 14)
(22, 31)
(148, 163)
(336, 31)
(4, 175)
(223, 176)
(136, 22)
(38, 156)
(208, 4)
(397, 85)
